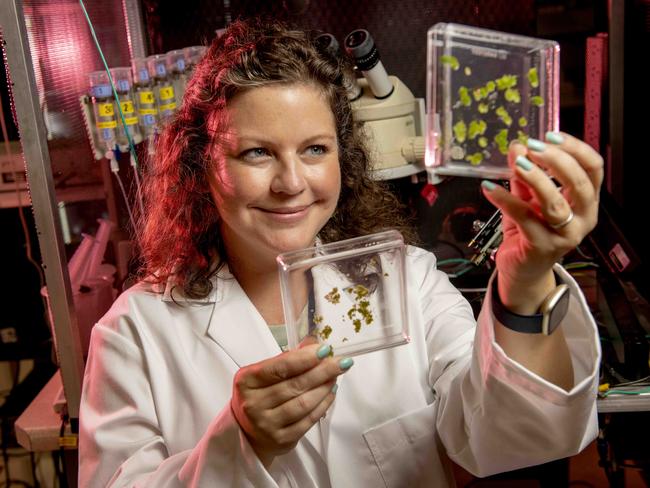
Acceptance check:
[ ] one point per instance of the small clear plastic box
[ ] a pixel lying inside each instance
(484, 89)
(349, 294)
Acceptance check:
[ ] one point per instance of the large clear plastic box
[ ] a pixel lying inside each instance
(484, 89)
(349, 294)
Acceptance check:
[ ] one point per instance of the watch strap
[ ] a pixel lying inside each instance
(529, 324)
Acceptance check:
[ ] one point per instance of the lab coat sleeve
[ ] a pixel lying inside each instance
(494, 415)
(120, 441)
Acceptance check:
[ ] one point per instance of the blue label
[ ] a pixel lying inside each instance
(144, 75)
(160, 69)
(123, 85)
(101, 91)
(180, 64)
(107, 134)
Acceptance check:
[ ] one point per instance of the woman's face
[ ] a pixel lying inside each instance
(276, 176)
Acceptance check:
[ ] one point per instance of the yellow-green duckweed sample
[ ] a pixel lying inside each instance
(463, 95)
(537, 101)
(475, 159)
(460, 131)
(506, 81)
(533, 79)
(451, 61)
(503, 114)
(512, 95)
(501, 140)
(477, 128)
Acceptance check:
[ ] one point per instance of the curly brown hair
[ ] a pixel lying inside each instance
(179, 235)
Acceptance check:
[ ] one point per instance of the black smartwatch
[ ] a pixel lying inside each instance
(551, 312)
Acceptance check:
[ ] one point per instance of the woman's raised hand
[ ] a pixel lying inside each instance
(276, 401)
(541, 221)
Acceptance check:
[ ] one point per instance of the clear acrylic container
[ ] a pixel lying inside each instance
(349, 294)
(484, 90)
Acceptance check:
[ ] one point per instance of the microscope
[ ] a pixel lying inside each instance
(392, 118)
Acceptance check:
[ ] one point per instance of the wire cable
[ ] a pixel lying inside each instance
(128, 208)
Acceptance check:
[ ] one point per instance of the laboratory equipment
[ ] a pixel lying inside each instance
(124, 86)
(104, 112)
(176, 69)
(327, 42)
(162, 86)
(484, 90)
(392, 119)
(349, 294)
(145, 101)
(360, 45)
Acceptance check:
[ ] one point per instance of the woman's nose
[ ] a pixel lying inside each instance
(289, 176)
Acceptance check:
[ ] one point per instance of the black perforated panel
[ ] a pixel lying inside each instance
(398, 27)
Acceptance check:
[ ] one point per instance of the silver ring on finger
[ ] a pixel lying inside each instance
(565, 222)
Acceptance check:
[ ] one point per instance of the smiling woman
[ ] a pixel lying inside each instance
(186, 383)
(221, 133)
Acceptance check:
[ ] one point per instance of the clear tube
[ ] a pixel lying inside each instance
(176, 68)
(103, 109)
(163, 87)
(124, 86)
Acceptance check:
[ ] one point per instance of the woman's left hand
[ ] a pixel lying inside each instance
(542, 222)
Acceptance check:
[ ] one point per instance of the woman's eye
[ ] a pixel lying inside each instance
(254, 153)
(317, 150)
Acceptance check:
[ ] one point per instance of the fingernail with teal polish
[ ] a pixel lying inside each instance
(346, 363)
(488, 185)
(554, 137)
(535, 145)
(524, 163)
(323, 351)
(335, 388)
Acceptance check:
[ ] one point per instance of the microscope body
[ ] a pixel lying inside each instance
(394, 127)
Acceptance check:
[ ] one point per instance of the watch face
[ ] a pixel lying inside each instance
(554, 309)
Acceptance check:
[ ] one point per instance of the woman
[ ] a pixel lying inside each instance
(185, 382)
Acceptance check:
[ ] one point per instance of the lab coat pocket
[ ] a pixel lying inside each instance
(404, 449)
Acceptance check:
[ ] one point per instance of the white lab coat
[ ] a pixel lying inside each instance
(155, 404)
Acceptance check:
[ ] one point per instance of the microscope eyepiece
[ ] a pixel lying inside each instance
(360, 45)
(328, 43)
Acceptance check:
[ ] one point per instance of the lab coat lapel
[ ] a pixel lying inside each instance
(238, 328)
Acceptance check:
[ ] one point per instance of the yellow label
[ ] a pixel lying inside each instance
(148, 111)
(127, 107)
(169, 106)
(167, 93)
(68, 441)
(147, 97)
(131, 120)
(107, 125)
(105, 109)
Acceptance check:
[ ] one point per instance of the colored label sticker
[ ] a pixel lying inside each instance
(167, 93)
(131, 120)
(105, 109)
(148, 120)
(111, 124)
(144, 75)
(160, 69)
(168, 107)
(148, 111)
(127, 107)
(123, 85)
(147, 97)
